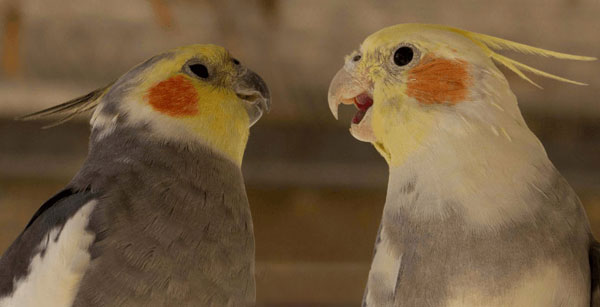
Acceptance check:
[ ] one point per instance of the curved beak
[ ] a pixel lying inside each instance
(352, 87)
(343, 89)
(253, 90)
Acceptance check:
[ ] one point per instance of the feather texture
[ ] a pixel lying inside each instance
(491, 43)
(70, 108)
(503, 44)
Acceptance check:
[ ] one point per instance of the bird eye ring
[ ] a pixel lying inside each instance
(403, 55)
(199, 70)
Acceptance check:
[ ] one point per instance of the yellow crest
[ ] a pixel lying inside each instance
(490, 43)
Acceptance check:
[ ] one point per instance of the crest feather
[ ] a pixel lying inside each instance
(503, 44)
(69, 109)
(491, 43)
(514, 66)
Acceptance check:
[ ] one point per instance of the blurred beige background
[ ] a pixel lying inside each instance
(316, 193)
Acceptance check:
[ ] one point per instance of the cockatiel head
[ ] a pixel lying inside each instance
(196, 93)
(417, 86)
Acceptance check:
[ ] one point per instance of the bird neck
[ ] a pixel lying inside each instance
(135, 147)
(224, 128)
(488, 178)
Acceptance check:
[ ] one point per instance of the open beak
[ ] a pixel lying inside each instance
(253, 90)
(346, 88)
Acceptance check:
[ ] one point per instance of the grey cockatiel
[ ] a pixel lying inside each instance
(158, 214)
(475, 213)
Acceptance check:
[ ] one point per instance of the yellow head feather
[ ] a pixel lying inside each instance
(178, 105)
(397, 129)
(489, 43)
(220, 121)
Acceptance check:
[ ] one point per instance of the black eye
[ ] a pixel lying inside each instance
(403, 56)
(356, 58)
(199, 70)
(236, 62)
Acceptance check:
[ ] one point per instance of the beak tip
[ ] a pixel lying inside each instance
(333, 107)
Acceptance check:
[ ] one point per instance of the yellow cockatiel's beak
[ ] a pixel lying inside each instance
(352, 86)
(342, 90)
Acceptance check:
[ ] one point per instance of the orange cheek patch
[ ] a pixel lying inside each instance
(175, 96)
(438, 81)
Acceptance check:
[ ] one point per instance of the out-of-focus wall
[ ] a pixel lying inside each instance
(73, 46)
(316, 193)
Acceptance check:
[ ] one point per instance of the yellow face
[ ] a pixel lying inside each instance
(399, 80)
(410, 82)
(197, 91)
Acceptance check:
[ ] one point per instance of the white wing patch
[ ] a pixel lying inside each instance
(384, 270)
(102, 122)
(54, 277)
(543, 285)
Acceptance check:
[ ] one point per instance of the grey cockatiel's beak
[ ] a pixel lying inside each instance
(253, 90)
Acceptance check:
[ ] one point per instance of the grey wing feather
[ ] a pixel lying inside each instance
(14, 263)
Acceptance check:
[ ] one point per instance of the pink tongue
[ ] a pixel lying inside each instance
(363, 101)
(359, 116)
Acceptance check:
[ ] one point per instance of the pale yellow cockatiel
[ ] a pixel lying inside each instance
(476, 214)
